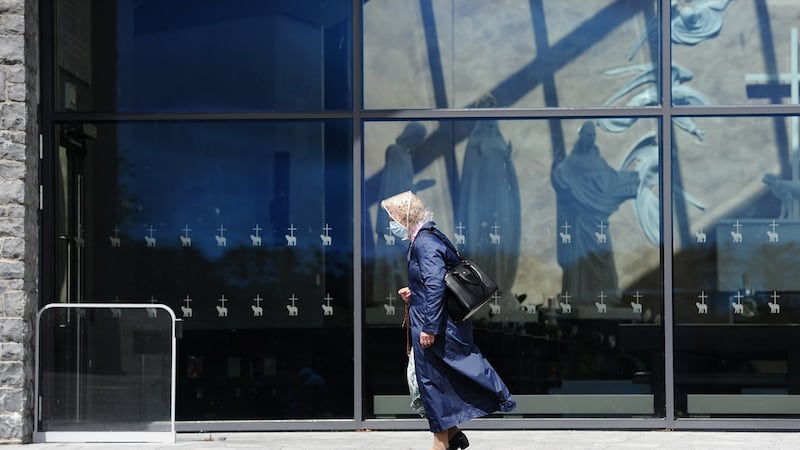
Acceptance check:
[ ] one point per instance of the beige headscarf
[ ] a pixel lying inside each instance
(408, 210)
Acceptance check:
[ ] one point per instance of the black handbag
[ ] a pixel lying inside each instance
(468, 286)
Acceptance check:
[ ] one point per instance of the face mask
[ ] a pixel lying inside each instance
(396, 229)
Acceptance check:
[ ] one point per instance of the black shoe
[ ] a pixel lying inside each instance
(458, 441)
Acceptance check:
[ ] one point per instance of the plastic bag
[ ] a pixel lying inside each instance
(413, 387)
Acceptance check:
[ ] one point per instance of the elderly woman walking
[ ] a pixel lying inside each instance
(456, 382)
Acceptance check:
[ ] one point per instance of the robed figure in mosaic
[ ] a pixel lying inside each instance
(488, 215)
(588, 191)
(398, 176)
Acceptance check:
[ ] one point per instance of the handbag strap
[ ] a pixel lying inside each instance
(437, 233)
(406, 318)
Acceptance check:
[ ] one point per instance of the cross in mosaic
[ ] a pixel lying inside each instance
(792, 78)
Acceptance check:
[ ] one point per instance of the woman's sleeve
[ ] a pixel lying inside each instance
(432, 270)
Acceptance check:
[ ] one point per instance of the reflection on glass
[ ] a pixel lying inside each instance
(737, 52)
(491, 187)
(488, 213)
(735, 262)
(185, 56)
(447, 54)
(244, 229)
(588, 191)
(398, 176)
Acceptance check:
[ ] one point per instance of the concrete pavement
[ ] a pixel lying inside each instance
(479, 440)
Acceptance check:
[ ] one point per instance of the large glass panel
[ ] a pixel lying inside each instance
(245, 229)
(106, 369)
(736, 292)
(569, 228)
(529, 53)
(732, 52)
(189, 55)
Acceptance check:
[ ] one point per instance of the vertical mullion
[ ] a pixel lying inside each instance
(46, 171)
(356, 87)
(666, 211)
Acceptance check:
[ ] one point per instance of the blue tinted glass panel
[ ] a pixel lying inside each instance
(187, 56)
(244, 229)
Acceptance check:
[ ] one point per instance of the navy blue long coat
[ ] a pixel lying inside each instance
(456, 382)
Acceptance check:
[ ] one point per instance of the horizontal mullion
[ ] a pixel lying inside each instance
(738, 110)
(434, 114)
(509, 113)
(219, 116)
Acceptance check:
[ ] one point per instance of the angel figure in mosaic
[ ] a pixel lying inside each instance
(649, 96)
(690, 24)
(644, 158)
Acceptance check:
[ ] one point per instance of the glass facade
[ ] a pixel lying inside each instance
(626, 170)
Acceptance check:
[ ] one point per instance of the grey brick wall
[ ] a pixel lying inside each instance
(19, 203)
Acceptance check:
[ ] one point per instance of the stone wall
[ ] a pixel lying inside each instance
(19, 210)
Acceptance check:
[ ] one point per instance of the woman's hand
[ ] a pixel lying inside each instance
(426, 340)
(405, 293)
